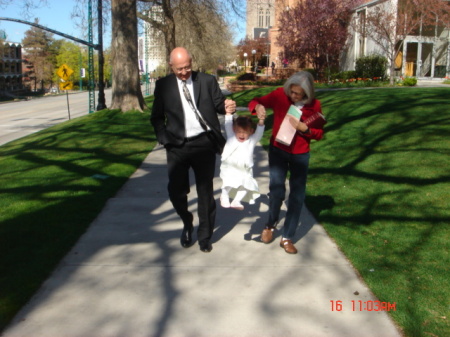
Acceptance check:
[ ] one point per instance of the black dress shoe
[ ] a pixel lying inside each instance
(186, 237)
(205, 246)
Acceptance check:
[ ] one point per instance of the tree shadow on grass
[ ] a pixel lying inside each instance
(383, 168)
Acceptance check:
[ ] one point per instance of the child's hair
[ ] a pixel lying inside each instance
(245, 122)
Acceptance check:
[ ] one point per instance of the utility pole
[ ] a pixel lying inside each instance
(91, 81)
(101, 82)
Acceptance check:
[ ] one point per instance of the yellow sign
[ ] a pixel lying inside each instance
(68, 85)
(64, 72)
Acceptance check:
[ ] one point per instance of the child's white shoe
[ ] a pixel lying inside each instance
(224, 201)
(237, 205)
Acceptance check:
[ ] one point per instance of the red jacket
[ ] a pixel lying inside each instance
(280, 103)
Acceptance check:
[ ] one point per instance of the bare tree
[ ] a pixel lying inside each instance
(196, 24)
(127, 93)
(26, 5)
(203, 31)
(166, 25)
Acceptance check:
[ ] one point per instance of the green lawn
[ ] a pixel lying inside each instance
(378, 182)
(52, 186)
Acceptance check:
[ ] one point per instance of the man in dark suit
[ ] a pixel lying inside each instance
(185, 120)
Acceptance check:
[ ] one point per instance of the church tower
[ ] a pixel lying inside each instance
(260, 17)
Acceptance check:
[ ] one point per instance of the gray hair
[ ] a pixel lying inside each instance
(304, 80)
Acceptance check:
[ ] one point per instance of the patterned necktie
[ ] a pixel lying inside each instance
(188, 97)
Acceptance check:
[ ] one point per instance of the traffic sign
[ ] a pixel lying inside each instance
(67, 85)
(64, 72)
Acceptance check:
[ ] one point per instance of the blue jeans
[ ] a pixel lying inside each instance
(280, 162)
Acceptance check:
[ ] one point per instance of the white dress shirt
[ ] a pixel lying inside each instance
(192, 124)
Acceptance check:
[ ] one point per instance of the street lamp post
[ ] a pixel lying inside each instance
(245, 61)
(254, 59)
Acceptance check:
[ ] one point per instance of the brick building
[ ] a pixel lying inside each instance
(10, 68)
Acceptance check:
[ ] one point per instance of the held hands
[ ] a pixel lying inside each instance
(260, 113)
(230, 106)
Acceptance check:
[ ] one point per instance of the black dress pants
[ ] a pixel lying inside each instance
(199, 155)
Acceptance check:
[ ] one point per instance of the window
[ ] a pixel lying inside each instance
(362, 33)
(260, 17)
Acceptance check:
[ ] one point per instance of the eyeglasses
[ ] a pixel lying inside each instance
(186, 69)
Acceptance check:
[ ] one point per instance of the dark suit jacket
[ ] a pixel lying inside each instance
(167, 114)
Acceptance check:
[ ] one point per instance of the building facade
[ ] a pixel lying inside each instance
(260, 17)
(262, 21)
(10, 68)
(151, 45)
(276, 52)
(423, 54)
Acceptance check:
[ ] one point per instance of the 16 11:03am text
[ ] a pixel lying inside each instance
(363, 306)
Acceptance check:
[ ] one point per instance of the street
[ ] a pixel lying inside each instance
(19, 119)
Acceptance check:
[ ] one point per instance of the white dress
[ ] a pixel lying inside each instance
(236, 168)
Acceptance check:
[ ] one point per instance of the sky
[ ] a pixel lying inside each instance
(56, 15)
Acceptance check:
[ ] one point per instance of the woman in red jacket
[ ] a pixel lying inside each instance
(298, 90)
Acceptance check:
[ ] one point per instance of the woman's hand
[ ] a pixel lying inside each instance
(299, 126)
(260, 111)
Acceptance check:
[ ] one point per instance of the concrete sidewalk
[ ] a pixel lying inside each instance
(128, 276)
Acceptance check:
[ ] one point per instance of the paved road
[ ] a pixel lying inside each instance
(19, 119)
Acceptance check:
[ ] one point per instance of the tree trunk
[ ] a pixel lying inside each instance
(170, 38)
(126, 88)
(392, 70)
(169, 29)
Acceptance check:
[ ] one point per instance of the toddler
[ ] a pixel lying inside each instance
(236, 169)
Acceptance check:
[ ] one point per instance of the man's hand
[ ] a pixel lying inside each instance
(230, 106)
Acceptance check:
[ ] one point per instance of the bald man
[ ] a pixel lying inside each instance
(185, 119)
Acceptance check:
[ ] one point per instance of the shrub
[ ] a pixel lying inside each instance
(409, 81)
(344, 75)
(221, 72)
(247, 77)
(371, 67)
(271, 81)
